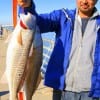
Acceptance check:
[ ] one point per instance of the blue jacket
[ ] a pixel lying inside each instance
(62, 23)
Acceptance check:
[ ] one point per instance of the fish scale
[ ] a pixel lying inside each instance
(24, 59)
(17, 54)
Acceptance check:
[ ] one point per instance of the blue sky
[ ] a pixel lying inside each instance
(41, 7)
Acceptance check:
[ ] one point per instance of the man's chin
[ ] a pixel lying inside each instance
(85, 11)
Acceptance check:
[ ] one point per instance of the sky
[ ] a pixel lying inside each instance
(42, 6)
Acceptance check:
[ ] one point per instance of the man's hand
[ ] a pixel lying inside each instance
(24, 3)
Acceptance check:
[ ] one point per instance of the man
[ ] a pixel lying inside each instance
(74, 66)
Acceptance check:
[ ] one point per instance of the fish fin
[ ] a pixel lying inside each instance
(22, 80)
(19, 39)
(3, 79)
(20, 95)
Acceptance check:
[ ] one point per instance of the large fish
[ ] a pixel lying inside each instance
(34, 63)
(18, 53)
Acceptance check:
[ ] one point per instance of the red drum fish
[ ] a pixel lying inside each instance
(34, 63)
(18, 53)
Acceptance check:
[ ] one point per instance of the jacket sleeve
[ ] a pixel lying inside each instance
(47, 22)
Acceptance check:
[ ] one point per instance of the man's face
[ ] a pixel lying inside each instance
(86, 6)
